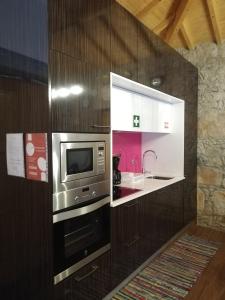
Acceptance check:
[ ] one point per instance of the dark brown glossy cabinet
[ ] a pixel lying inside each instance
(149, 54)
(88, 111)
(162, 214)
(124, 42)
(80, 29)
(125, 236)
(91, 282)
(80, 56)
(141, 226)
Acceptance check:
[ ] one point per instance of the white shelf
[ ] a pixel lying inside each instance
(135, 87)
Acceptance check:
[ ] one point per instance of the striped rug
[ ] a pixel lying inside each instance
(171, 275)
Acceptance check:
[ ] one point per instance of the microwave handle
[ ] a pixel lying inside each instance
(80, 211)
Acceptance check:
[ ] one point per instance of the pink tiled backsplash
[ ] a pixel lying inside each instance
(128, 144)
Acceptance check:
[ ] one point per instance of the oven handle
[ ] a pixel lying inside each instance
(80, 278)
(80, 211)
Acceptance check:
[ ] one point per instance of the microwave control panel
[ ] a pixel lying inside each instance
(101, 158)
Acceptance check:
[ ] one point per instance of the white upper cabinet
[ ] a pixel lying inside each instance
(121, 110)
(134, 112)
(137, 107)
(126, 111)
(147, 116)
(162, 117)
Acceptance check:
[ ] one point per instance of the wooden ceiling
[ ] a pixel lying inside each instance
(181, 23)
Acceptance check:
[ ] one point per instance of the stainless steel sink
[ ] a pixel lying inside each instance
(160, 177)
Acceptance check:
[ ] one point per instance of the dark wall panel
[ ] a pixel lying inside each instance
(25, 210)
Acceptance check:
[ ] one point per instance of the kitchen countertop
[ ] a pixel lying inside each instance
(146, 185)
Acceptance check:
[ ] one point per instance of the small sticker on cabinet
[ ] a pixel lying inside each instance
(166, 124)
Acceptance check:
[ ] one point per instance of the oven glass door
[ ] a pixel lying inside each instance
(76, 238)
(78, 160)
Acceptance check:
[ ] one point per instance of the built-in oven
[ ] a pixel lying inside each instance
(80, 169)
(80, 236)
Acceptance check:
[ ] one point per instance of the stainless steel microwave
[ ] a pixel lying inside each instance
(80, 168)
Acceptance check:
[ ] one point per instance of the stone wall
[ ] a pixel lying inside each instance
(210, 61)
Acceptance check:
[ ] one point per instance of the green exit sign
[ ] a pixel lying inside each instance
(136, 121)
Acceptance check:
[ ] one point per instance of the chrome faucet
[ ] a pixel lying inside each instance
(143, 158)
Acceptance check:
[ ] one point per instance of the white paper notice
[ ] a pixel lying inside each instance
(15, 154)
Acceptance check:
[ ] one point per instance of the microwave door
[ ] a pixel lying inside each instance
(78, 160)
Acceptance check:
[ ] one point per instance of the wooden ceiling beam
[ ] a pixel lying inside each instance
(147, 8)
(182, 11)
(186, 36)
(214, 21)
(163, 25)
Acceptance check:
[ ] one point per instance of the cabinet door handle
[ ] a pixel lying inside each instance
(132, 242)
(99, 126)
(131, 204)
(80, 278)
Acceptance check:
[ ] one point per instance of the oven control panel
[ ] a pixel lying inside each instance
(86, 193)
(80, 195)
